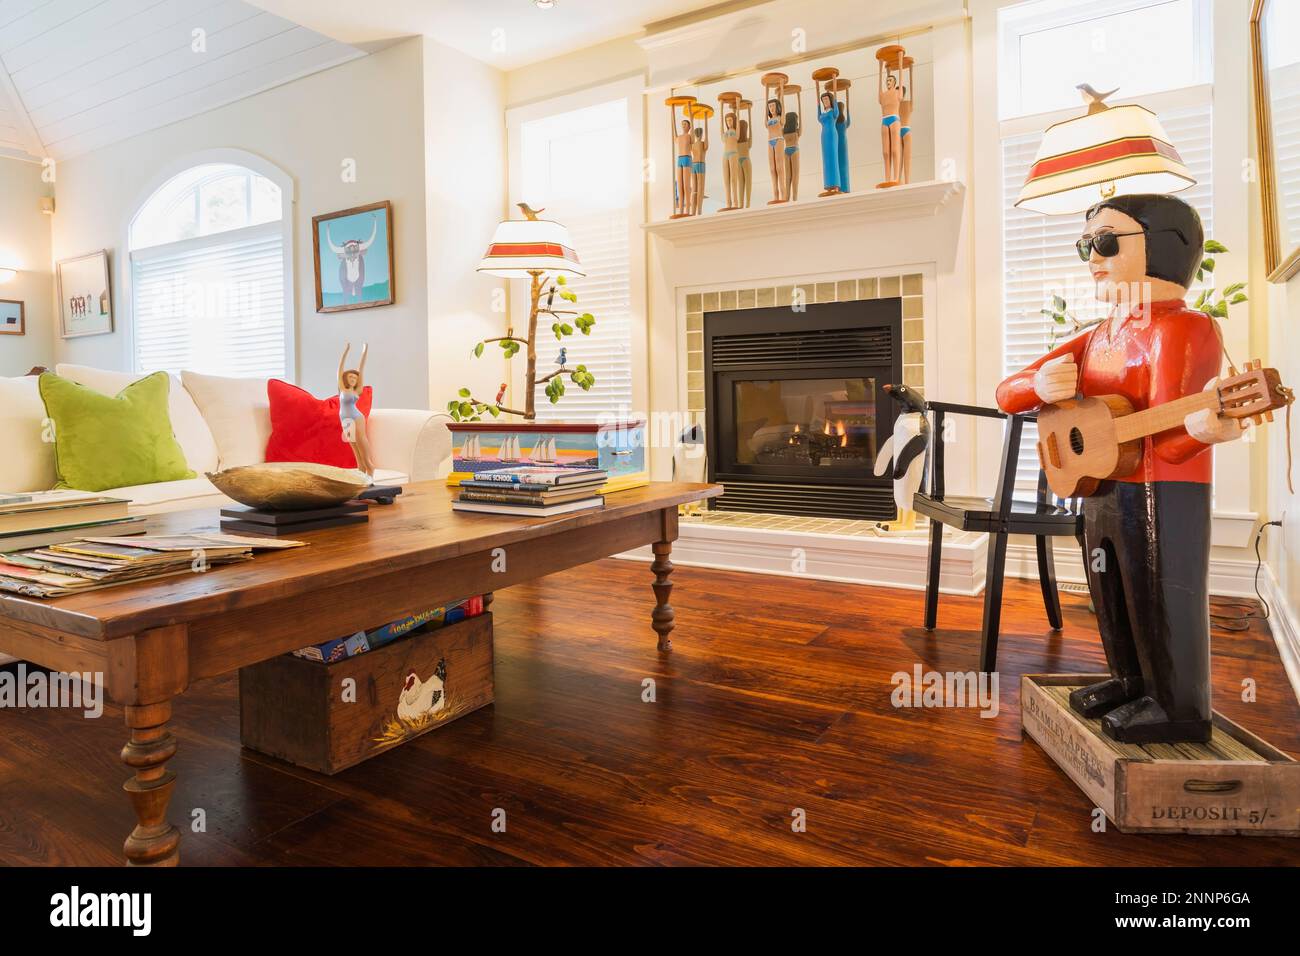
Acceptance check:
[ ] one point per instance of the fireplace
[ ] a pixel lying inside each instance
(796, 407)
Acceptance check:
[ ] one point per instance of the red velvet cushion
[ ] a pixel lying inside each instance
(307, 428)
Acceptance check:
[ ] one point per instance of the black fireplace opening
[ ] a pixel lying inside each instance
(797, 410)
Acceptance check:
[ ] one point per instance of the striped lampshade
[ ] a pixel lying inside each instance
(1112, 151)
(523, 246)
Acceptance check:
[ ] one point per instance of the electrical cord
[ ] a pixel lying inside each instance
(1241, 621)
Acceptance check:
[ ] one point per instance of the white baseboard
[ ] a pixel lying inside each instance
(896, 562)
(1229, 577)
(1282, 622)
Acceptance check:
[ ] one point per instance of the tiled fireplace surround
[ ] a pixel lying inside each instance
(909, 285)
(802, 546)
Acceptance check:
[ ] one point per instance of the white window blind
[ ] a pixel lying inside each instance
(602, 243)
(213, 304)
(1040, 260)
(1286, 147)
(574, 163)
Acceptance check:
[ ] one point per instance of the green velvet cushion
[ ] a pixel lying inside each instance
(102, 442)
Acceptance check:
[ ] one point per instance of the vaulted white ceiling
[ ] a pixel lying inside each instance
(79, 74)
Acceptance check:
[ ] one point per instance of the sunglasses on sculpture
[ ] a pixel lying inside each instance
(1107, 243)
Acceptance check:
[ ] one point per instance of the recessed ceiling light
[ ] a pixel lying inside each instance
(544, 4)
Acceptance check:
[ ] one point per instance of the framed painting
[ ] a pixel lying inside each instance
(13, 319)
(352, 255)
(85, 295)
(1275, 66)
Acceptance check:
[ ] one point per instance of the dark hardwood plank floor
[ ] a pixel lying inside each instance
(776, 697)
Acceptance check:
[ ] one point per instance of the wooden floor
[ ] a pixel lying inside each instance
(775, 697)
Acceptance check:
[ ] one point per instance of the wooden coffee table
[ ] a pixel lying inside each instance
(150, 641)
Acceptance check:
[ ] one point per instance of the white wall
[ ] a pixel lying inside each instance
(595, 65)
(465, 166)
(370, 110)
(25, 245)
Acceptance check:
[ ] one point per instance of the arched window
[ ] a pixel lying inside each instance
(209, 254)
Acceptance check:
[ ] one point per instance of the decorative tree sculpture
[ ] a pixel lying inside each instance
(533, 247)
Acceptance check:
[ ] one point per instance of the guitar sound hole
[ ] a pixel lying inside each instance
(1076, 441)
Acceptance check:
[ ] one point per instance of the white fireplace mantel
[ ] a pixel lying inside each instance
(915, 200)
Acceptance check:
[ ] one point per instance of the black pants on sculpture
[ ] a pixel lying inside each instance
(1148, 553)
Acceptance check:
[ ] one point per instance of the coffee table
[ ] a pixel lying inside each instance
(151, 640)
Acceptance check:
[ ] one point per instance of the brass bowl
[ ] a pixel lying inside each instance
(290, 485)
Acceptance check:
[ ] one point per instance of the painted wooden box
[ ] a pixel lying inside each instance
(1237, 784)
(307, 712)
(617, 447)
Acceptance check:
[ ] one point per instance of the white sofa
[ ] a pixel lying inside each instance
(219, 423)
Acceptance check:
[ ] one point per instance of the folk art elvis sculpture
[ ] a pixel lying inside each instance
(1137, 445)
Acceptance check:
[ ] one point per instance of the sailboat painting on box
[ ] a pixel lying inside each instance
(616, 447)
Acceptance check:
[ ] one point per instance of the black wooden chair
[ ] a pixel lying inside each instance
(1000, 516)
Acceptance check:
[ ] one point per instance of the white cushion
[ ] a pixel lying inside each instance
(238, 413)
(26, 461)
(188, 426)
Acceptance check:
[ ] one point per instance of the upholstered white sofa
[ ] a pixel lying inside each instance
(219, 422)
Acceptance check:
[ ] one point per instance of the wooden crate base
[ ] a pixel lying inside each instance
(1237, 784)
(328, 717)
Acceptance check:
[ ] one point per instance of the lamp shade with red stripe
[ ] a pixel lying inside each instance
(521, 247)
(1109, 152)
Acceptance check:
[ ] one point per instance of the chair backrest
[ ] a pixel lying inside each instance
(1013, 432)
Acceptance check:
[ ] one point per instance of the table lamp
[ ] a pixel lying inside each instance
(530, 248)
(1107, 152)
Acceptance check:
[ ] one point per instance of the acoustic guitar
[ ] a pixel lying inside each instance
(1084, 441)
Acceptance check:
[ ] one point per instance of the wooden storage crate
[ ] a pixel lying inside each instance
(1235, 784)
(297, 710)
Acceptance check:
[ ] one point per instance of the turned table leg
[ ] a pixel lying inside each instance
(154, 841)
(661, 619)
(145, 671)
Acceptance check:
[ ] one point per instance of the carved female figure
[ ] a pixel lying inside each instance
(351, 382)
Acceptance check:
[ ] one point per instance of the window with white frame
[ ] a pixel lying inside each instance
(208, 253)
(575, 164)
(1047, 48)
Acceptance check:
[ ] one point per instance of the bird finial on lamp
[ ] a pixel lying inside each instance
(529, 212)
(1094, 100)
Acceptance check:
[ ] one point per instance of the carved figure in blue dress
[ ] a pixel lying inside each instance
(842, 122)
(827, 115)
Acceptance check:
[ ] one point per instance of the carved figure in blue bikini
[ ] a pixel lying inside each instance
(891, 148)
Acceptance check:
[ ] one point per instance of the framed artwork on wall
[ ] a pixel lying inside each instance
(85, 295)
(1275, 64)
(13, 320)
(352, 255)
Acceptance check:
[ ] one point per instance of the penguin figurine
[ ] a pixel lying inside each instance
(903, 454)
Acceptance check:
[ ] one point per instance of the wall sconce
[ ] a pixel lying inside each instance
(6, 273)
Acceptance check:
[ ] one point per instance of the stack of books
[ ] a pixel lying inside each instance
(530, 491)
(89, 563)
(49, 517)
